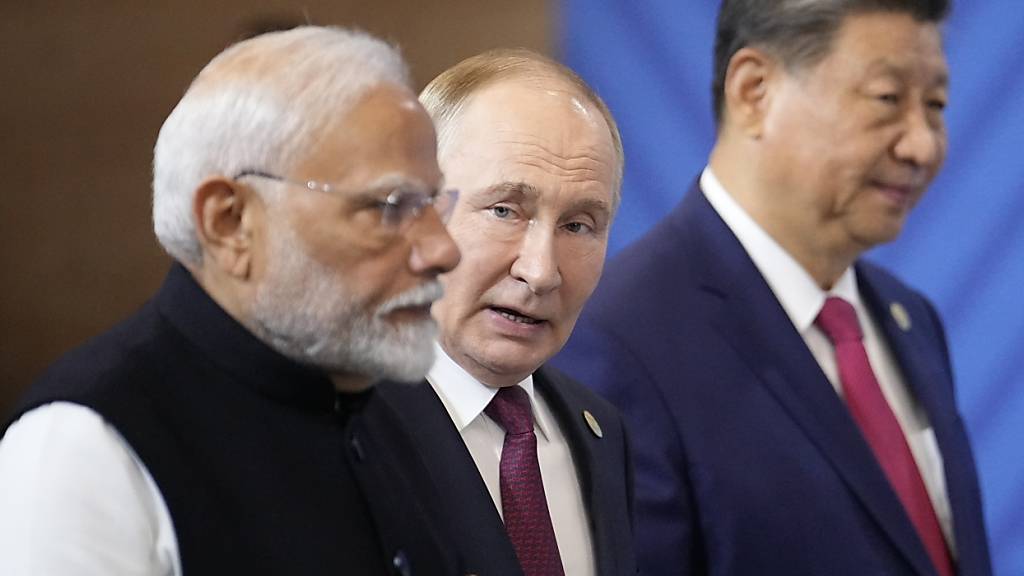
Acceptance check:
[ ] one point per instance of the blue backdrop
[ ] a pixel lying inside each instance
(963, 246)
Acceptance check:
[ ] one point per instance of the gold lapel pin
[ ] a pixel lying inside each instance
(592, 422)
(900, 315)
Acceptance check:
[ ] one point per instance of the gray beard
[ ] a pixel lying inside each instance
(307, 314)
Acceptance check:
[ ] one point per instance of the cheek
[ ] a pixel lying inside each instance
(852, 167)
(942, 146)
(484, 259)
(323, 241)
(579, 281)
(463, 288)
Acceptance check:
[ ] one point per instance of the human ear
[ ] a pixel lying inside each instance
(747, 90)
(224, 212)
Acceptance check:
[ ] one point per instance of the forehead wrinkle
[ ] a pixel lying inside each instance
(583, 168)
(569, 149)
(537, 154)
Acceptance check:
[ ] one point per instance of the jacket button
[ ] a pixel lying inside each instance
(401, 564)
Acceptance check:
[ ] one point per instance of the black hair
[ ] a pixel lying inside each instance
(798, 32)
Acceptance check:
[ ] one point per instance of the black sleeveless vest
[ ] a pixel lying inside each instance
(264, 468)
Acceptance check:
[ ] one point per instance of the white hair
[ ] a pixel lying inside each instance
(307, 312)
(260, 105)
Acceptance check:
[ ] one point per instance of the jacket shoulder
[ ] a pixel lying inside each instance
(104, 365)
(574, 393)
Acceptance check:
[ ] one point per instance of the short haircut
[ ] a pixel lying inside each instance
(260, 105)
(447, 95)
(798, 32)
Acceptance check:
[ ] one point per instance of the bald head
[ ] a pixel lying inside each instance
(448, 95)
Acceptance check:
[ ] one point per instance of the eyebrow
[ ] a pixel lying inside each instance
(593, 205)
(518, 189)
(392, 180)
(524, 190)
(885, 66)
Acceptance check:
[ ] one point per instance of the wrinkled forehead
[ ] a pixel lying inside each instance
(532, 120)
(539, 152)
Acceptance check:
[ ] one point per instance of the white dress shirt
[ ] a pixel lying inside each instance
(802, 299)
(76, 501)
(465, 399)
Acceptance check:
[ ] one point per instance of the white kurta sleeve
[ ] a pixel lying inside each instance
(76, 501)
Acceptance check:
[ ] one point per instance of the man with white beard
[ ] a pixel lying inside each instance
(224, 428)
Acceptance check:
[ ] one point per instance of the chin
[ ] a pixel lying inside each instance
(503, 368)
(884, 235)
(882, 229)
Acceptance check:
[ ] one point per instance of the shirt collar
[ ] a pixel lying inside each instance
(465, 397)
(793, 286)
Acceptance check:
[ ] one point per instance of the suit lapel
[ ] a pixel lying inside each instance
(917, 345)
(480, 533)
(921, 366)
(742, 307)
(568, 411)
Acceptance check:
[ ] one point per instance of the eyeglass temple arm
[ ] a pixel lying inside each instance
(257, 173)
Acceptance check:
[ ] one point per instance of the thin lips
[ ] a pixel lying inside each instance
(518, 311)
(904, 190)
(903, 187)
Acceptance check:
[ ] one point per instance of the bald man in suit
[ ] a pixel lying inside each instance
(533, 467)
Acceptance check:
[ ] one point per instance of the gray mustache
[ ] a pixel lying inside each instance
(422, 295)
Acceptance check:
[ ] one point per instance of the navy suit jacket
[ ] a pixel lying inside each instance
(747, 461)
(602, 466)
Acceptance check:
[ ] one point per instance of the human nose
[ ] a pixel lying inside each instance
(536, 264)
(922, 142)
(433, 250)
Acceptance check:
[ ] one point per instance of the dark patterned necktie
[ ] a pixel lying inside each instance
(524, 506)
(838, 320)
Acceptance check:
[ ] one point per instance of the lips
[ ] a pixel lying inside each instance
(897, 192)
(515, 315)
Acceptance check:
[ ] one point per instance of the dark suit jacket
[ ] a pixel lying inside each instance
(747, 461)
(602, 465)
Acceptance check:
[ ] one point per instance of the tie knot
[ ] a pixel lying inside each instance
(838, 320)
(510, 408)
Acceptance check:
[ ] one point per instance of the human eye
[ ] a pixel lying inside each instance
(578, 227)
(584, 223)
(885, 90)
(368, 203)
(389, 206)
(502, 211)
(888, 98)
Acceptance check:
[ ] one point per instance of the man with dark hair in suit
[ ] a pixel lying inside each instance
(792, 405)
(533, 467)
(226, 427)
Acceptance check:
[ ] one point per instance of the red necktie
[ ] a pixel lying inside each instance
(838, 320)
(524, 506)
